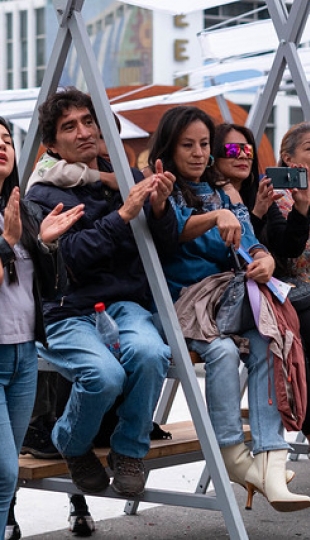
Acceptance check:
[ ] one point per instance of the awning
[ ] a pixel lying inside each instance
(176, 7)
(244, 39)
(17, 106)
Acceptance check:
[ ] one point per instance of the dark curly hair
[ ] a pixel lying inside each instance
(54, 106)
(165, 139)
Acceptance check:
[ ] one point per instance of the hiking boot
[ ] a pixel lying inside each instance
(129, 476)
(81, 521)
(87, 472)
(12, 530)
(38, 442)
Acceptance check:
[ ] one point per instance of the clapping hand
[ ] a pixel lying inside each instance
(157, 187)
(57, 222)
(163, 186)
(12, 229)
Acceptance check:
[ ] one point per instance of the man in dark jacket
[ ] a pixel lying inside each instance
(103, 264)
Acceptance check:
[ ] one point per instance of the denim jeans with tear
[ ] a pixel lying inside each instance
(98, 378)
(18, 381)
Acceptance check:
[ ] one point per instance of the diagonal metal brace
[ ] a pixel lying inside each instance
(64, 9)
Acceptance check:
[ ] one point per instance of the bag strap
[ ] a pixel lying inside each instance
(235, 259)
(254, 297)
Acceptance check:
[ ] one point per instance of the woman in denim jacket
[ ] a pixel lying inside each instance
(208, 224)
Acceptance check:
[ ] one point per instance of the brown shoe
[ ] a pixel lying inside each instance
(87, 472)
(129, 478)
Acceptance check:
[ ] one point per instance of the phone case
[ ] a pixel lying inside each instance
(287, 177)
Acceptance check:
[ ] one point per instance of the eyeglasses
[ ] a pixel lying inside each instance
(233, 150)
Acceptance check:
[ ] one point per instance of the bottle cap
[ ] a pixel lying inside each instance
(99, 307)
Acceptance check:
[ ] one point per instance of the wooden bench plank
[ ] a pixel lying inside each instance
(184, 440)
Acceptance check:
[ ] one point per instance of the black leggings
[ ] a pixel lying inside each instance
(304, 320)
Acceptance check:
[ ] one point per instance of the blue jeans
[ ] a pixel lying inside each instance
(18, 381)
(222, 359)
(98, 378)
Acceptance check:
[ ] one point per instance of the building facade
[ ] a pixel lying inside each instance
(23, 42)
(132, 46)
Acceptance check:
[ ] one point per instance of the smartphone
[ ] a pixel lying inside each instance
(288, 177)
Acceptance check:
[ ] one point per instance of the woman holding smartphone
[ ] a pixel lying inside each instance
(208, 223)
(237, 162)
(295, 149)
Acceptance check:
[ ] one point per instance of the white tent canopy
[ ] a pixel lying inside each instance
(245, 39)
(17, 106)
(176, 7)
(261, 63)
(129, 130)
(186, 96)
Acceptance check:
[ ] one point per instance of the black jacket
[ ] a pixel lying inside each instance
(285, 238)
(99, 251)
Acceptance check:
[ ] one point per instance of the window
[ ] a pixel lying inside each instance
(23, 17)
(9, 51)
(40, 22)
(9, 56)
(296, 115)
(40, 45)
(109, 19)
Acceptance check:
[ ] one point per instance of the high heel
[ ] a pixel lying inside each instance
(238, 460)
(290, 475)
(267, 475)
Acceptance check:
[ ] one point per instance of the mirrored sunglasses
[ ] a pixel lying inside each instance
(233, 150)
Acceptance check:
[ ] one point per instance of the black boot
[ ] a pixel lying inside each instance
(12, 530)
(38, 441)
(81, 521)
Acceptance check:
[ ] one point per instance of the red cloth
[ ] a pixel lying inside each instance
(290, 369)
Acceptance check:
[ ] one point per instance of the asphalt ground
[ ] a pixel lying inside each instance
(43, 515)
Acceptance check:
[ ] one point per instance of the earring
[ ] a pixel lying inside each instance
(210, 162)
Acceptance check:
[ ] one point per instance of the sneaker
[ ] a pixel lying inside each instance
(12, 530)
(81, 521)
(87, 472)
(129, 478)
(38, 442)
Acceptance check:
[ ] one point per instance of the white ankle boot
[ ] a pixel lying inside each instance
(238, 460)
(267, 475)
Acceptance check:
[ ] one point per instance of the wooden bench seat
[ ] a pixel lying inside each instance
(184, 441)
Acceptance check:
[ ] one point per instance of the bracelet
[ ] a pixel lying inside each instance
(47, 248)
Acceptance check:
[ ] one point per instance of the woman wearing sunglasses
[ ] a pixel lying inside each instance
(237, 162)
(208, 224)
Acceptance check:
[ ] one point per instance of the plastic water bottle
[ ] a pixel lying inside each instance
(108, 329)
